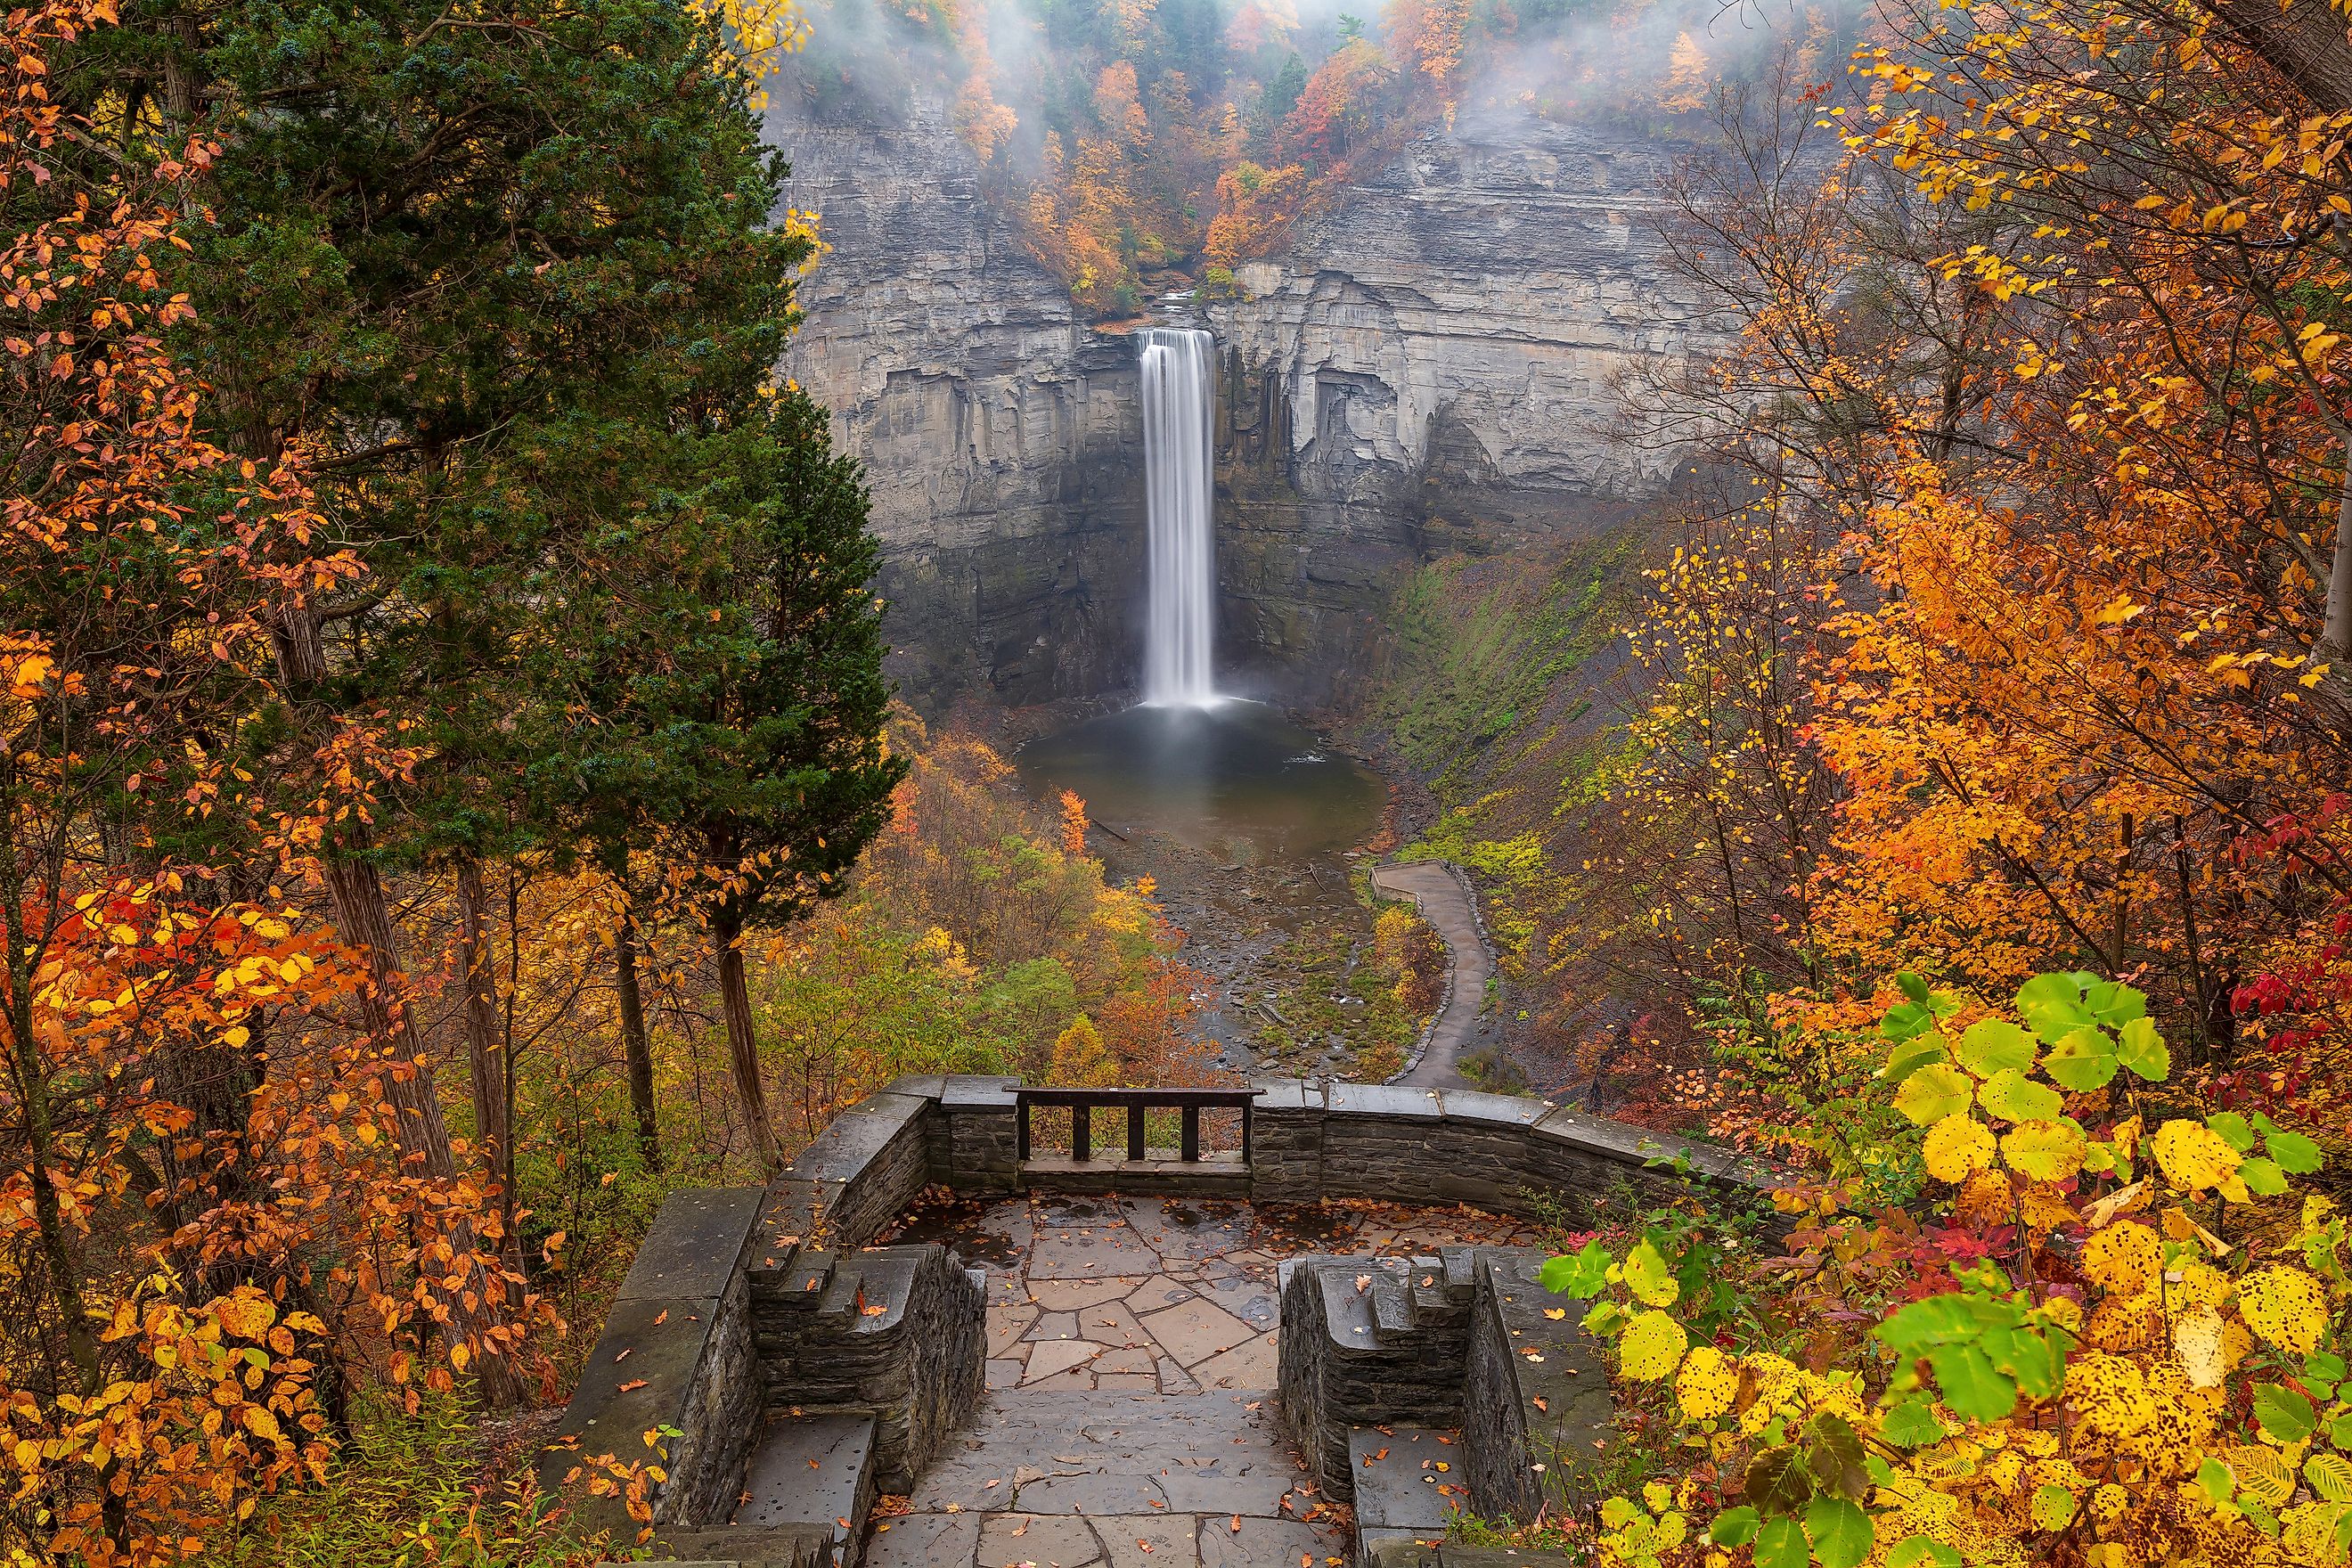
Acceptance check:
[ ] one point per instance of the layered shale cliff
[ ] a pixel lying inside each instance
(1433, 368)
(1000, 434)
(1427, 368)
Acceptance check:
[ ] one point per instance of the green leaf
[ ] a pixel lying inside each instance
(1994, 1045)
(1943, 1319)
(2051, 1007)
(2339, 1430)
(1970, 1383)
(2139, 1048)
(2012, 1095)
(2233, 1130)
(2292, 1151)
(1781, 1544)
(1905, 1020)
(1911, 1424)
(1933, 1092)
(2322, 1366)
(2114, 1003)
(1841, 1532)
(1581, 1275)
(2262, 1178)
(1776, 1481)
(1912, 1055)
(2036, 1360)
(1734, 1526)
(2285, 1415)
(1918, 1551)
(2082, 1060)
(1834, 1458)
(2213, 1478)
(1913, 986)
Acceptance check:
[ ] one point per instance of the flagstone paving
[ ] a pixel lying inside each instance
(1128, 1422)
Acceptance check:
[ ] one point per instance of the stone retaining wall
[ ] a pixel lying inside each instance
(917, 1362)
(1521, 1413)
(677, 1352)
(713, 1328)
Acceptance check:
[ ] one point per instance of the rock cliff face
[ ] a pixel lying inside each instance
(1000, 434)
(1431, 367)
(1427, 368)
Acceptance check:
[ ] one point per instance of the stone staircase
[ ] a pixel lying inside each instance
(1409, 1482)
(1371, 1343)
(1419, 1387)
(869, 1360)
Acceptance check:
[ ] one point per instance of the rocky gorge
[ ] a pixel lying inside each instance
(1425, 368)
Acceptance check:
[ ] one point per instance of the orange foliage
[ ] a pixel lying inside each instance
(1119, 104)
(1254, 206)
(1335, 111)
(211, 1210)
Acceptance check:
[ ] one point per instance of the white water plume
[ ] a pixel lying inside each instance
(1181, 591)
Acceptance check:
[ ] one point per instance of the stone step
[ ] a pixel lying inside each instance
(883, 1279)
(813, 1475)
(802, 1283)
(1392, 1312)
(1346, 1311)
(1409, 1482)
(725, 1547)
(1460, 1268)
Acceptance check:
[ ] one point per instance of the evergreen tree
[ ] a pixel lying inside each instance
(514, 284)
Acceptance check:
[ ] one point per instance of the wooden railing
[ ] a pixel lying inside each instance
(1189, 1102)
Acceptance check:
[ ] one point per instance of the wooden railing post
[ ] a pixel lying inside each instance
(1138, 1104)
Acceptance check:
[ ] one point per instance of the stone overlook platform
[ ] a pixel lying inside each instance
(936, 1340)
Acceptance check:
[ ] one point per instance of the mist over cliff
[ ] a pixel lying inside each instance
(1417, 351)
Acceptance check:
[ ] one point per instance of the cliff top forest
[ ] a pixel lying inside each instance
(1136, 145)
(453, 798)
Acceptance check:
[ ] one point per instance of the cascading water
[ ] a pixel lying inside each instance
(1183, 584)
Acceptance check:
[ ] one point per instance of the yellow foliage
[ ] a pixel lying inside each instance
(1956, 1147)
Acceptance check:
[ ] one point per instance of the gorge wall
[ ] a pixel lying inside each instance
(1426, 368)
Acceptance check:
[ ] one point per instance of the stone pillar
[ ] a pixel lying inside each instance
(982, 1146)
(1286, 1141)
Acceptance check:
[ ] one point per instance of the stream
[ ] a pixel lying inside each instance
(1254, 827)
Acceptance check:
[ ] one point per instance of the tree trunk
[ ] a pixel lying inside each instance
(485, 1055)
(742, 1048)
(634, 1043)
(364, 921)
(2334, 643)
(2303, 40)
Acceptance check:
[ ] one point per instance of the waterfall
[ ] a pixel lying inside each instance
(1182, 583)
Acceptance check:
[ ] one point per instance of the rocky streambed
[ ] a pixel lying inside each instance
(1259, 834)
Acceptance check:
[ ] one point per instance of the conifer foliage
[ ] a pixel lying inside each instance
(402, 508)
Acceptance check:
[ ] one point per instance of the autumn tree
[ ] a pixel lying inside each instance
(1080, 1058)
(208, 1216)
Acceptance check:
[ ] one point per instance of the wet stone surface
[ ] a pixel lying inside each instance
(1129, 1421)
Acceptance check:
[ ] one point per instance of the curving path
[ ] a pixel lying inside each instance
(1438, 892)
